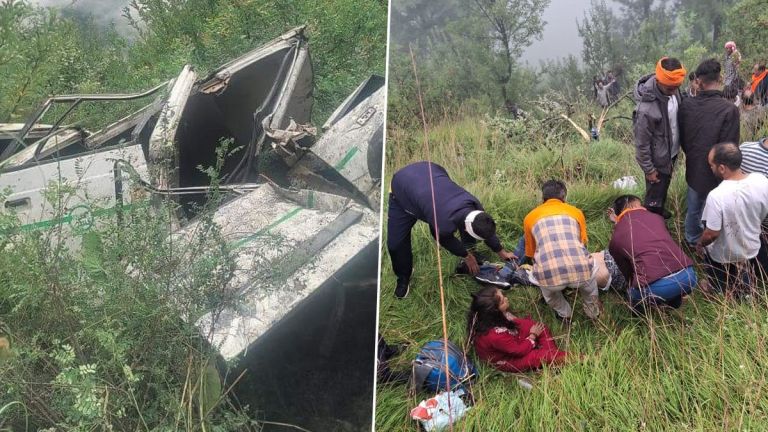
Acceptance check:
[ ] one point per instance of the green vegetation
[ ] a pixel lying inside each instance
(699, 369)
(461, 48)
(103, 339)
(44, 51)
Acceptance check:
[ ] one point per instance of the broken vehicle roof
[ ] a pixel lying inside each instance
(290, 235)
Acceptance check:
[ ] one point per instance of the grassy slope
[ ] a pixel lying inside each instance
(700, 372)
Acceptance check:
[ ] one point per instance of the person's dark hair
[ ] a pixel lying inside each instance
(484, 313)
(727, 154)
(621, 203)
(760, 67)
(553, 189)
(708, 71)
(691, 76)
(484, 225)
(671, 64)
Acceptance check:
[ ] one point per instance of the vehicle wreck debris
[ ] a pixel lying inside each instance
(300, 211)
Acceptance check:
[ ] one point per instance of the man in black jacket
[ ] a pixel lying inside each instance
(657, 140)
(455, 209)
(705, 120)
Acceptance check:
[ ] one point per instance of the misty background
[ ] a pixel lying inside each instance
(104, 12)
(559, 38)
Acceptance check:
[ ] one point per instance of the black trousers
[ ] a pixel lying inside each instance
(399, 225)
(656, 194)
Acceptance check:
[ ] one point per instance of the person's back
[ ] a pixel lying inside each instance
(755, 157)
(560, 255)
(738, 208)
(412, 188)
(555, 238)
(705, 120)
(644, 249)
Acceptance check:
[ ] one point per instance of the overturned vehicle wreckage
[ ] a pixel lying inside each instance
(301, 212)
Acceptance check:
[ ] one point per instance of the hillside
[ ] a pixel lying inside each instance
(700, 368)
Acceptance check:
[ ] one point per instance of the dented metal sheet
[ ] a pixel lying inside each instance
(353, 144)
(287, 242)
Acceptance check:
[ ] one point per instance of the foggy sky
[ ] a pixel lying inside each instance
(103, 11)
(560, 36)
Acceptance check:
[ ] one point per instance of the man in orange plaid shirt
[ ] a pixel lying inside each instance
(555, 238)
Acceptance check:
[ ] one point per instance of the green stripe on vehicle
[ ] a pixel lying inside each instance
(347, 157)
(258, 233)
(68, 218)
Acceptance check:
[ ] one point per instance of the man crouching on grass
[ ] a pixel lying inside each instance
(556, 237)
(733, 215)
(658, 271)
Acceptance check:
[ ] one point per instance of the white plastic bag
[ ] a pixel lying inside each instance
(625, 183)
(433, 413)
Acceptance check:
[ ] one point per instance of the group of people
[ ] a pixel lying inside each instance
(726, 198)
(727, 201)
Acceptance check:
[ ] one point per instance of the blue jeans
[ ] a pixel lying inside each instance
(693, 227)
(667, 290)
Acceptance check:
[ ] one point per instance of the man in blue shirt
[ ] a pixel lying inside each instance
(410, 200)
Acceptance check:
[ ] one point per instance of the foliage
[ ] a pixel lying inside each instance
(747, 23)
(104, 338)
(697, 369)
(44, 52)
(599, 30)
(466, 54)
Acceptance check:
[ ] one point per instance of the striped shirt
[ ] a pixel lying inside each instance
(558, 234)
(754, 157)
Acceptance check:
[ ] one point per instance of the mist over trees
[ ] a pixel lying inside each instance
(45, 51)
(466, 61)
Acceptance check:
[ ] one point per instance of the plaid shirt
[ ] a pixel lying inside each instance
(560, 258)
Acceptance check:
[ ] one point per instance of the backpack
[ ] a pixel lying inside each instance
(429, 368)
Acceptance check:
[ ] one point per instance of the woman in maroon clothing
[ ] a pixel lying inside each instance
(508, 343)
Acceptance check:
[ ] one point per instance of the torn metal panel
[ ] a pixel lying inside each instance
(162, 144)
(350, 151)
(91, 177)
(284, 251)
(69, 141)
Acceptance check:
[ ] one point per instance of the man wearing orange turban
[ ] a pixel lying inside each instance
(657, 137)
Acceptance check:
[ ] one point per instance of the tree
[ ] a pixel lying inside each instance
(600, 34)
(711, 15)
(506, 27)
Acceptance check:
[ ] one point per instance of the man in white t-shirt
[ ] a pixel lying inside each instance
(732, 217)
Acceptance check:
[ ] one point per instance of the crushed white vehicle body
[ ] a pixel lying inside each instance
(303, 231)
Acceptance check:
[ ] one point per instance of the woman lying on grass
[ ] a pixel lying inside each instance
(506, 342)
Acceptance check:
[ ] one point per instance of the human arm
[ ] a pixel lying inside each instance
(530, 242)
(515, 345)
(713, 223)
(623, 261)
(643, 130)
(707, 238)
(730, 130)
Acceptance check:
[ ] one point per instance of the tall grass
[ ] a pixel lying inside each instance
(700, 368)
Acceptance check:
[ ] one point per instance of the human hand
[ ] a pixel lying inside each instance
(472, 265)
(652, 177)
(537, 329)
(611, 214)
(507, 255)
(700, 250)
